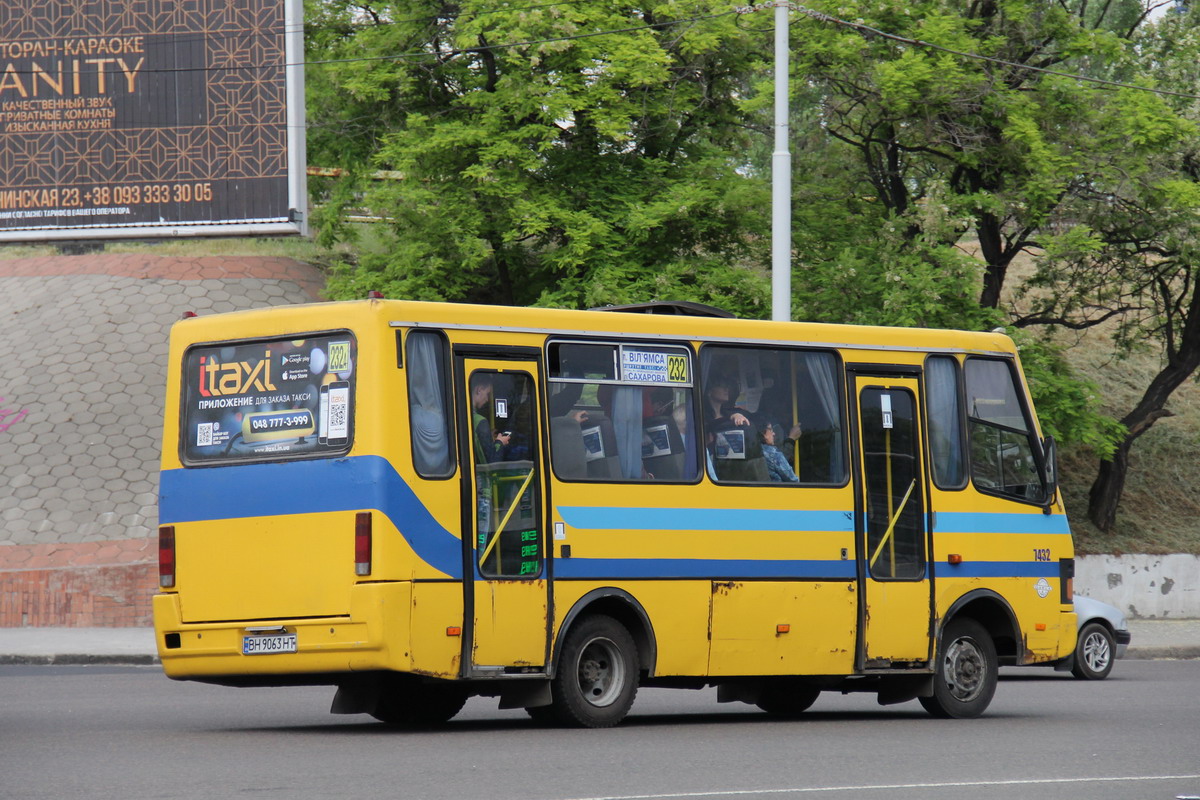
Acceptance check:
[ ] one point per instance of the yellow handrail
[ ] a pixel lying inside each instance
(887, 535)
(507, 516)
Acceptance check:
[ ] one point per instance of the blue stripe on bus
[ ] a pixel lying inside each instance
(999, 569)
(366, 482)
(797, 520)
(722, 569)
(743, 569)
(309, 487)
(974, 522)
(705, 519)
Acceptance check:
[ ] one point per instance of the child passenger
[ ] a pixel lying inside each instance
(777, 466)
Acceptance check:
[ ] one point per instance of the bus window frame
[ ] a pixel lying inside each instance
(1031, 434)
(448, 403)
(270, 459)
(840, 378)
(618, 343)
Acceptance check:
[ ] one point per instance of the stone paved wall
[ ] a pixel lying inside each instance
(84, 343)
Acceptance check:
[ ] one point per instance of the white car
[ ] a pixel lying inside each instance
(1103, 638)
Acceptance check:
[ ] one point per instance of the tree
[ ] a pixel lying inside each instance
(1135, 251)
(541, 158)
(995, 140)
(948, 166)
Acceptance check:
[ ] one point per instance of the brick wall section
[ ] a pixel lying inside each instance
(308, 278)
(86, 338)
(81, 585)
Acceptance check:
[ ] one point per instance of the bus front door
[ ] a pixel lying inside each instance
(506, 587)
(895, 586)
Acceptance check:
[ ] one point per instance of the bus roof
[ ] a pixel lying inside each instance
(283, 320)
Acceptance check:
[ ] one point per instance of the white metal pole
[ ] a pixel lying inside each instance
(781, 178)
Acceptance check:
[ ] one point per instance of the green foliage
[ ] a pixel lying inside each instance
(541, 170)
(1068, 406)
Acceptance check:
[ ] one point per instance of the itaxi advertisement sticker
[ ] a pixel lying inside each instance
(269, 399)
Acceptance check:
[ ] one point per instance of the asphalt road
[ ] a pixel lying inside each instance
(128, 732)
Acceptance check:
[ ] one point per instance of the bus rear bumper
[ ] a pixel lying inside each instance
(321, 648)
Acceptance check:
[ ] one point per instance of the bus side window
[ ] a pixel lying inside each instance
(999, 431)
(429, 404)
(944, 417)
(773, 415)
(632, 414)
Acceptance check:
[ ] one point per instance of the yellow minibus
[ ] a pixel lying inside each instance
(417, 503)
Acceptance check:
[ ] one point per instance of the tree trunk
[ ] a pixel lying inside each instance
(1105, 494)
(991, 247)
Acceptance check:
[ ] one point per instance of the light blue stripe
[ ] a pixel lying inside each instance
(585, 518)
(979, 522)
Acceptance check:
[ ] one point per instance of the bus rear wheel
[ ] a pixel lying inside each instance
(419, 706)
(597, 676)
(967, 669)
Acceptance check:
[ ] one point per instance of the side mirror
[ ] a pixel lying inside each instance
(1049, 471)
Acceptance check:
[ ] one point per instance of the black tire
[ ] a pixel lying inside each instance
(966, 672)
(597, 676)
(543, 715)
(1095, 652)
(786, 698)
(418, 706)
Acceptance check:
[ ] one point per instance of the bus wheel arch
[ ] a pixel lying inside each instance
(624, 608)
(996, 616)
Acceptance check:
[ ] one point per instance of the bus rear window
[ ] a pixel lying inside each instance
(268, 399)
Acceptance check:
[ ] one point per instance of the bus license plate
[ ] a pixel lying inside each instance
(269, 645)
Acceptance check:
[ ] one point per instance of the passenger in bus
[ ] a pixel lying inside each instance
(719, 407)
(778, 467)
(519, 447)
(489, 443)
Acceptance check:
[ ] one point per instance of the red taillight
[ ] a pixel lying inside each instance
(166, 556)
(362, 543)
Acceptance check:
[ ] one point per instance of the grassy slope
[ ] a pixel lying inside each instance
(1160, 511)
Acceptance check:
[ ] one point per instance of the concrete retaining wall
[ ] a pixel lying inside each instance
(1144, 587)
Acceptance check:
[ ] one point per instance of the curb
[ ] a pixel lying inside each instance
(1173, 653)
(79, 659)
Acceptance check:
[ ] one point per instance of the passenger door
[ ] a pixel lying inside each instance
(894, 583)
(506, 588)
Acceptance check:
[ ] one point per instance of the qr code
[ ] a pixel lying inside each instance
(204, 434)
(337, 416)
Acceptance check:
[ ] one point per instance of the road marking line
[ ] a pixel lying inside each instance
(890, 786)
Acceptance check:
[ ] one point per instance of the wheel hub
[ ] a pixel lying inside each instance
(601, 672)
(1096, 652)
(965, 669)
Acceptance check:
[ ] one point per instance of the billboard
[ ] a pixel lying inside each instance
(151, 118)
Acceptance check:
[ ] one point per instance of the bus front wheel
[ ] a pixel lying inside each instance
(966, 674)
(597, 675)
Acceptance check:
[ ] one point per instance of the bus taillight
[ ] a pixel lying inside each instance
(362, 543)
(166, 556)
